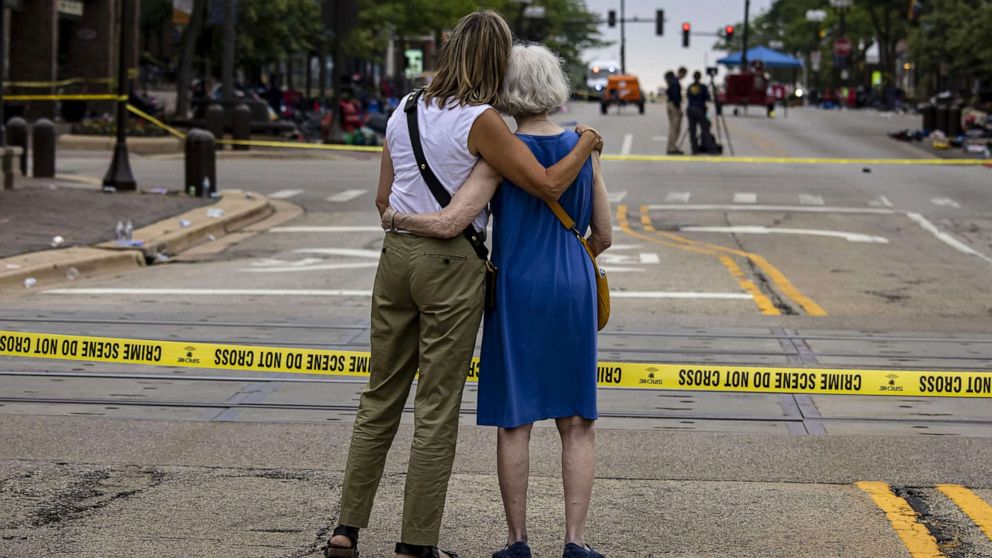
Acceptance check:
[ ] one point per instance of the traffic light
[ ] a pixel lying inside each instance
(686, 28)
(728, 32)
(611, 18)
(659, 23)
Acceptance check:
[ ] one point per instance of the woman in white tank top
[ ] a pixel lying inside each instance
(428, 293)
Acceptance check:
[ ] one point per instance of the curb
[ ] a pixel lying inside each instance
(138, 146)
(167, 237)
(170, 237)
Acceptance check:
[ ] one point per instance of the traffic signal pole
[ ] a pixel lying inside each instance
(747, 25)
(623, 39)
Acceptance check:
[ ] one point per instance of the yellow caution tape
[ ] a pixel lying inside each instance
(67, 97)
(62, 83)
(301, 145)
(156, 121)
(687, 377)
(791, 160)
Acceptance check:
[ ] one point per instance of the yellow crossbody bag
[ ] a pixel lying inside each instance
(602, 285)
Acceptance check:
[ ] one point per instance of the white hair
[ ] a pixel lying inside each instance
(535, 81)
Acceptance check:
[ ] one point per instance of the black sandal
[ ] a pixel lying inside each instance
(421, 551)
(335, 551)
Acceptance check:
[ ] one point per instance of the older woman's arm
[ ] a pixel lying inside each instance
(465, 205)
(386, 175)
(491, 139)
(601, 225)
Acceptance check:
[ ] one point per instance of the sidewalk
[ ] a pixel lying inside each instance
(63, 229)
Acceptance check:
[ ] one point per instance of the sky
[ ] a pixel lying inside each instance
(649, 56)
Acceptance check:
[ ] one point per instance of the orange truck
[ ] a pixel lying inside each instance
(622, 90)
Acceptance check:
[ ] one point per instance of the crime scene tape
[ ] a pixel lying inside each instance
(155, 121)
(56, 84)
(67, 97)
(628, 375)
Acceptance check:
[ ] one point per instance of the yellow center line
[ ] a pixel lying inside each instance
(969, 502)
(760, 299)
(773, 273)
(793, 160)
(915, 536)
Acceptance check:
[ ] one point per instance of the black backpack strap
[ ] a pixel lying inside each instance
(442, 195)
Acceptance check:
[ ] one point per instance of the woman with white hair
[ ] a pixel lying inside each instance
(539, 342)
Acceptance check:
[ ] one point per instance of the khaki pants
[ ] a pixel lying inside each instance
(427, 304)
(674, 126)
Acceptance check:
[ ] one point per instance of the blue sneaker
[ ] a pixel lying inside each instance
(573, 550)
(518, 549)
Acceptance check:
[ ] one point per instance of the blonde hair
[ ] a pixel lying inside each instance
(473, 61)
(535, 81)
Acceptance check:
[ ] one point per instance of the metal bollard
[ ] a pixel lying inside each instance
(8, 167)
(17, 136)
(215, 121)
(929, 113)
(942, 113)
(954, 122)
(241, 125)
(201, 163)
(43, 149)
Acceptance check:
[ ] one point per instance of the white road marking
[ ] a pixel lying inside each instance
(783, 208)
(945, 202)
(850, 237)
(881, 201)
(810, 199)
(647, 258)
(616, 247)
(342, 229)
(295, 267)
(284, 194)
(659, 138)
(347, 252)
(346, 195)
(947, 238)
(617, 197)
(628, 143)
(677, 197)
(610, 269)
(745, 197)
(354, 293)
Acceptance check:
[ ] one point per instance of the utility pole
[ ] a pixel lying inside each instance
(119, 175)
(3, 71)
(747, 25)
(227, 64)
(623, 39)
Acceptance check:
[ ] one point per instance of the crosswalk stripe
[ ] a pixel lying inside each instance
(880, 201)
(346, 195)
(969, 502)
(945, 202)
(284, 194)
(810, 199)
(745, 197)
(677, 197)
(628, 142)
(617, 197)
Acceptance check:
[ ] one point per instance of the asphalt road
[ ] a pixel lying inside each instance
(782, 264)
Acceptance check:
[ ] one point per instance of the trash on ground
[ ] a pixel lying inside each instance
(866, 170)
(30, 283)
(57, 241)
(211, 237)
(184, 223)
(161, 258)
(72, 274)
(13, 266)
(160, 191)
(215, 212)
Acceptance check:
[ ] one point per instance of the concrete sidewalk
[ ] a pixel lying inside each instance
(59, 230)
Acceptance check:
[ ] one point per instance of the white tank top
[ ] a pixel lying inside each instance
(444, 135)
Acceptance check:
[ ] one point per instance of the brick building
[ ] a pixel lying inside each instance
(55, 40)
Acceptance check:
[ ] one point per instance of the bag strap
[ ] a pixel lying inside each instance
(440, 194)
(569, 224)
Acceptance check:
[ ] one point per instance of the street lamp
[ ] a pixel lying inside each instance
(119, 176)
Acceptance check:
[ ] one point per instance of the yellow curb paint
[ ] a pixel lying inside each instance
(773, 273)
(915, 536)
(977, 509)
(627, 375)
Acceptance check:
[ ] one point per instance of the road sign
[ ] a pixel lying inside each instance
(842, 46)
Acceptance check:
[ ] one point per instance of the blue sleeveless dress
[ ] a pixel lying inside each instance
(539, 343)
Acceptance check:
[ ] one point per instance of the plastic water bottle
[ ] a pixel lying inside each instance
(119, 231)
(205, 192)
(128, 230)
